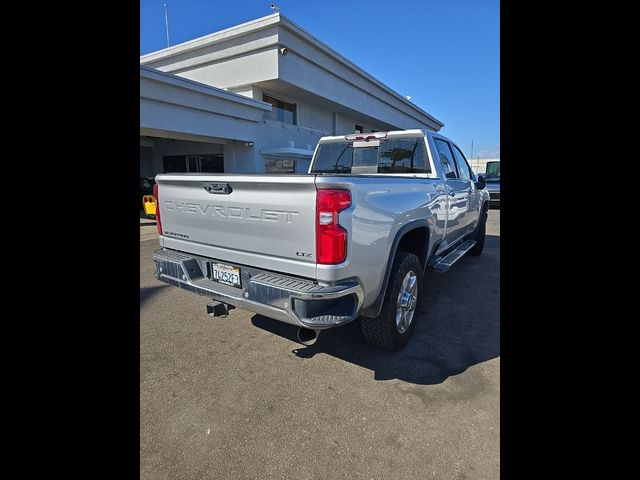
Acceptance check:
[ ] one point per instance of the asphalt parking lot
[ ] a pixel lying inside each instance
(239, 398)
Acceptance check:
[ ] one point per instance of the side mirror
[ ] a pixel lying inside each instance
(481, 182)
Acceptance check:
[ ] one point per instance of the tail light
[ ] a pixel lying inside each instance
(331, 238)
(158, 222)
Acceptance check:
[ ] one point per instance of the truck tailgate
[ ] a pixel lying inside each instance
(267, 221)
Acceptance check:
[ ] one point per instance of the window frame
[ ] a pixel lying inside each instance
(472, 176)
(455, 165)
(280, 99)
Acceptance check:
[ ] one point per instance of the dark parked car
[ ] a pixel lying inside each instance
(146, 185)
(492, 177)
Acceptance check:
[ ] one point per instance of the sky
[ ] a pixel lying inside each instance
(444, 54)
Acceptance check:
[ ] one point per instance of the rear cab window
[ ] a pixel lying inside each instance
(392, 155)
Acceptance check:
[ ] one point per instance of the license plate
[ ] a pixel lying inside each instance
(226, 274)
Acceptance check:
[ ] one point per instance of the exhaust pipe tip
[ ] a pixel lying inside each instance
(308, 336)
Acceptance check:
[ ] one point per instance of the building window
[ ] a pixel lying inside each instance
(359, 129)
(279, 166)
(282, 111)
(213, 163)
(174, 163)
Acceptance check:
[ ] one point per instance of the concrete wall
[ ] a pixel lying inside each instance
(250, 91)
(346, 125)
(170, 103)
(201, 52)
(297, 70)
(240, 158)
(277, 134)
(314, 118)
(312, 123)
(318, 71)
(247, 69)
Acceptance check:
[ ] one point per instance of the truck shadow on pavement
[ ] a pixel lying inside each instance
(458, 326)
(147, 292)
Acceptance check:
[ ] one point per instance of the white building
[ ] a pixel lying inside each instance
(257, 97)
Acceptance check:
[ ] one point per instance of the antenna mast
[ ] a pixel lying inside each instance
(166, 22)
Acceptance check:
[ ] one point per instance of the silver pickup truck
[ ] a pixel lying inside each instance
(351, 238)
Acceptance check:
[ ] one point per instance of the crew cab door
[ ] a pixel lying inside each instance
(465, 173)
(458, 191)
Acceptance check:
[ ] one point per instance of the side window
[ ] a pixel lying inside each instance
(446, 157)
(403, 155)
(463, 166)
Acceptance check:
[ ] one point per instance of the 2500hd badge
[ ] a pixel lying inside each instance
(175, 234)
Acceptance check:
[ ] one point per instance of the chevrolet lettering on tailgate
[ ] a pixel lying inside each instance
(232, 212)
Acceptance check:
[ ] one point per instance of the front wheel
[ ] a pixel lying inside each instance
(393, 328)
(479, 234)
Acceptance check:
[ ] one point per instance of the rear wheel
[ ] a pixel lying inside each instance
(393, 328)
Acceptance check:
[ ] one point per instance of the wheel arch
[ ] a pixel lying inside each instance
(413, 238)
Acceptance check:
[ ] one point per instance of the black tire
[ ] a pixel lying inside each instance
(382, 330)
(479, 234)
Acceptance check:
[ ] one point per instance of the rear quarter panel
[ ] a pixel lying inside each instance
(381, 206)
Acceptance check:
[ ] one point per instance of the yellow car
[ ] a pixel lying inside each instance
(149, 205)
(148, 200)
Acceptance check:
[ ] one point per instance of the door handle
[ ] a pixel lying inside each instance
(452, 193)
(220, 188)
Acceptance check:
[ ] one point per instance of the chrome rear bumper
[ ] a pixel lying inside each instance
(292, 300)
